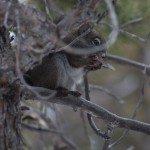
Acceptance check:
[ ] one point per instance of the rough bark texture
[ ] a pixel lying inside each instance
(10, 136)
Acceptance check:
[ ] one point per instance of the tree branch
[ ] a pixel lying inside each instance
(102, 113)
(126, 61)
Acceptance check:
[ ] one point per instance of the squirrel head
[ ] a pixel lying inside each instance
(85, 38)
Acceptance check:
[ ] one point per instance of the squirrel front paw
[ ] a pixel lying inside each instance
(95, 63)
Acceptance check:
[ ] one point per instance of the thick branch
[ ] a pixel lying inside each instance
(103, 114)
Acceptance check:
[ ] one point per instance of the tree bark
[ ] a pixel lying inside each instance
(10, 135)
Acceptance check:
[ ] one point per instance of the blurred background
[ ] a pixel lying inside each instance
(125, 82)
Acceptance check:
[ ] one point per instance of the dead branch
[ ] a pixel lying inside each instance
(126, 61)
(101, 113)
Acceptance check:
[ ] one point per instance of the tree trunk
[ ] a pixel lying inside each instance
(10, 135)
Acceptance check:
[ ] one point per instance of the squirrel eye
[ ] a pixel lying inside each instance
(96, 41)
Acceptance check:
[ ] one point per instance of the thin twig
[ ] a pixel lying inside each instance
(132, 35)
(114, 23)
(89, 116)
(7, 13)
(122, 31)
(69, 143)
(109, 134)
(97, 87)
(88, 98)
(39, 129)
(137, 20)
(47, 9)
(105, 13)
(141, 97)
(84, 125)
(101, 16)
(126, 61)
(137, 107)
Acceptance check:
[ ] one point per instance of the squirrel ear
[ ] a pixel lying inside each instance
(84, 27)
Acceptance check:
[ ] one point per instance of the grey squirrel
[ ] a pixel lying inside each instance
(63, 70)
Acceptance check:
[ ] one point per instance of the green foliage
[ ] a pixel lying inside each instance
(131, 9)
(66, 5)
